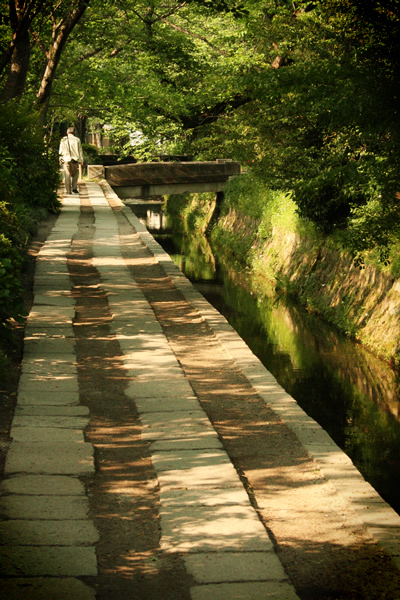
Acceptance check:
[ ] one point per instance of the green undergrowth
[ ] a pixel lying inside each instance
(29, 178)
(192, 211)
(259, 230)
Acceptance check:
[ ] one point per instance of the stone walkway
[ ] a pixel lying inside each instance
(48, 536)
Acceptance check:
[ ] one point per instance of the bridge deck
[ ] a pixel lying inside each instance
(152, 454)
(143, 179)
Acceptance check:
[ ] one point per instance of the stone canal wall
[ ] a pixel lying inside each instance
(363, 303)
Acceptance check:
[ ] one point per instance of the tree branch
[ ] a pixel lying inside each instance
(206, 116)
(193, 35)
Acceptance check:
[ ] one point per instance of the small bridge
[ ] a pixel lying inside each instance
(141, 180)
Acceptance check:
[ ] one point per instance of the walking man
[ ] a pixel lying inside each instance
(71, 156)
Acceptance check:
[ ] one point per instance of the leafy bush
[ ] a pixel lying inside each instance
(90, 154)
(29, 170)
(29, 177)
(12, 244)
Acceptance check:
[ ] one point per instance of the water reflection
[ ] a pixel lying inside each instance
(150, 213)
(354, 396)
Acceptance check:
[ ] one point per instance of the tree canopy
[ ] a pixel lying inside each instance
(302, 93)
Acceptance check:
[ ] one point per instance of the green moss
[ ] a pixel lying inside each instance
(193, 211)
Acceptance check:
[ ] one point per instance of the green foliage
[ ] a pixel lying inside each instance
(28, 181)
(12, 245)
(90, 154)
(193, 210)
(29, 169)
(304, 94)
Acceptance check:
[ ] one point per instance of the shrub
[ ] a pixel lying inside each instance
(29, 177)
(12, 245)
(29, 170)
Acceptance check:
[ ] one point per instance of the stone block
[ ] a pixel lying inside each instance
(47, 398)
(46, 434)
(50, 421)
(158, 388)
(51, 458)
(262, 590)
(48, 344)
(43, 507)
(204, 497)
(56, 561)
(221, 567)
(190, 460)
(157, 405)
(213, 529)
(46, 588)
(45, 485)
(48, 533)
(50, 366)
(192, 442)
(49, 410)
(182, 425)
(35, 382)
(95, 172)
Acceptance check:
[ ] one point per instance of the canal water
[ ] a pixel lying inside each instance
(351, 394)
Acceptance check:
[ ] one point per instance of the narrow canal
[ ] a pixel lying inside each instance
(351, 394)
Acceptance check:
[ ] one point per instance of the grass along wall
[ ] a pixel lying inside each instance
(260, 230)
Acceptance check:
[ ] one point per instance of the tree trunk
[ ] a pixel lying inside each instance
(15, 84)
(59, 39)
(80, 127)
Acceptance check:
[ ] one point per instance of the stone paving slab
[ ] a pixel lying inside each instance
(48, 533)
(49, 345)
(130, 340)
(190, 442)
(46, 434)
(158, 388)
(137, 346)
(267, 590)
(206, 476)
(185, 424)
(204, 497)
(69, 561)
(220, 567)
(51, 421)
(49, 321)
(148, 326)
(212, 528)
(130, 288)
(57, 314)
(189, 459)
(158, 358)
(44, 507)
(61, 365)
(46, 485)
(143, 373)
(125, 308)
(58, 458)
(54, 283)
(52, 269)
(180, 418)
(33, 382)
(46, 398)
(38, 333)
(131, 295)
(50, 299)
(156, 405)
(46, 588)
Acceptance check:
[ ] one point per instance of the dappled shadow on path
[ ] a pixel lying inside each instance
(123, 493)
(322, 544)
